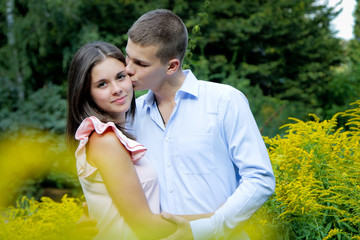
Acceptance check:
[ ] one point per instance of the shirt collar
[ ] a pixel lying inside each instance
(149, 99)
(190, 86)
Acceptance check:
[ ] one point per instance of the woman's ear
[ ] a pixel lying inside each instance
(173, 66)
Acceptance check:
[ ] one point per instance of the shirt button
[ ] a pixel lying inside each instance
(171, 191)
(166, 140)
(169, 164)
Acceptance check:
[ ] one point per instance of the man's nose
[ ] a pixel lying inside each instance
(129, 68)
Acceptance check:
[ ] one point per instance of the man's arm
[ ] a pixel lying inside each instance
(183, 231)
(248, 152)
(257, 183)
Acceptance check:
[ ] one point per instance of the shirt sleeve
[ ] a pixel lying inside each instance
(248, 152)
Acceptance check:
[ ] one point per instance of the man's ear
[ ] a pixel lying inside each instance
(173, 66)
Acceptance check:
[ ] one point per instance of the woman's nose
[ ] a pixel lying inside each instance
(116, 88)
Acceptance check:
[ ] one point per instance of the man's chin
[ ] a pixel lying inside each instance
(137, 88)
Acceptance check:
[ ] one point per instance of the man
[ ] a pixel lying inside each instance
(201, 136)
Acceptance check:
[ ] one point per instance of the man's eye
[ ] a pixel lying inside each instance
(141, 64)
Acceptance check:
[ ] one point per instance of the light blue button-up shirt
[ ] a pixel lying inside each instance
(209, 154)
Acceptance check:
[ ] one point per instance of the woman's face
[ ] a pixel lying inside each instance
(111, 88)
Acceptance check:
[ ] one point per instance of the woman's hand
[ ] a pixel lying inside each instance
(86, 226)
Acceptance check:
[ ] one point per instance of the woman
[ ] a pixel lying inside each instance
(119, 183)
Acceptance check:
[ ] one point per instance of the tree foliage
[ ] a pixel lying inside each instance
(281, 54)
(344, 87)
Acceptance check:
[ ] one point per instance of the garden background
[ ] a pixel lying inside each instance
(302, 82)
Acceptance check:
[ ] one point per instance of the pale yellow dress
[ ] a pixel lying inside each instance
(101, 207)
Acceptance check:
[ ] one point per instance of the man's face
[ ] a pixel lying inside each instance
(144, 67)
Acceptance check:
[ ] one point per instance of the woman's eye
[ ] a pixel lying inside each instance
(121, 76)
(102, 84)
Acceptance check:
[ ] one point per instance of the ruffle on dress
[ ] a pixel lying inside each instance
(88, 125)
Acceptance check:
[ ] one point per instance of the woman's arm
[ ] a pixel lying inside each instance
(117, 170)
(196, 216)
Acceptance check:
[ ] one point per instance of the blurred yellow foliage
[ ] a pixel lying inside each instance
(317, 170)
(41, 220)
(28, 157)
(20, 159)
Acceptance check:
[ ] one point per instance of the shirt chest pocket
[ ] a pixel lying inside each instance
(195, 154)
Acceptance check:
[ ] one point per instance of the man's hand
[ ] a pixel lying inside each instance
(86, 226)
(183, 231)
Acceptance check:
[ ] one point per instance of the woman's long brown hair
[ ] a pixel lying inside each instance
(80, 103)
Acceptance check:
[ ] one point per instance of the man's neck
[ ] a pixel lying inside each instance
(165, 95)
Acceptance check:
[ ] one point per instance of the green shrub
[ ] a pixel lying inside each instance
(44, 109)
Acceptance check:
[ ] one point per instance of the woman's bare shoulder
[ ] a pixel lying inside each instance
(105, 145)
(103, 139)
